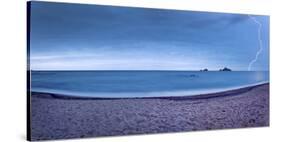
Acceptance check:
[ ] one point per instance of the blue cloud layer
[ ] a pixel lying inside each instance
(77, 37)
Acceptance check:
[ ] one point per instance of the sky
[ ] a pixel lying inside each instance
(94, 37)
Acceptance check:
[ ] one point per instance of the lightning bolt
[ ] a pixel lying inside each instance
(260, 43)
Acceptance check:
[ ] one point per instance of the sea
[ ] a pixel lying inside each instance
(134, 84)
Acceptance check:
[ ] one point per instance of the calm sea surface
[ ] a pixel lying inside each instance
(142, 83)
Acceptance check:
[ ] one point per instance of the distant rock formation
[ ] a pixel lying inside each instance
(204, 70)
(225, 69)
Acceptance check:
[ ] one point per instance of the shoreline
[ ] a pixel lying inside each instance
(232, 91)
(57, 117)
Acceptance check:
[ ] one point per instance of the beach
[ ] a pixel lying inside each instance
(55, 116)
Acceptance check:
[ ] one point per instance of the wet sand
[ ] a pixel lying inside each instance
(56, 116)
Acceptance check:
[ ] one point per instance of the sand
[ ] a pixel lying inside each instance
(60, 117)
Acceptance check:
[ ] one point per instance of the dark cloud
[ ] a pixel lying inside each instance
(61, 28)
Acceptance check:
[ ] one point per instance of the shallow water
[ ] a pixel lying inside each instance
(142, 83)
